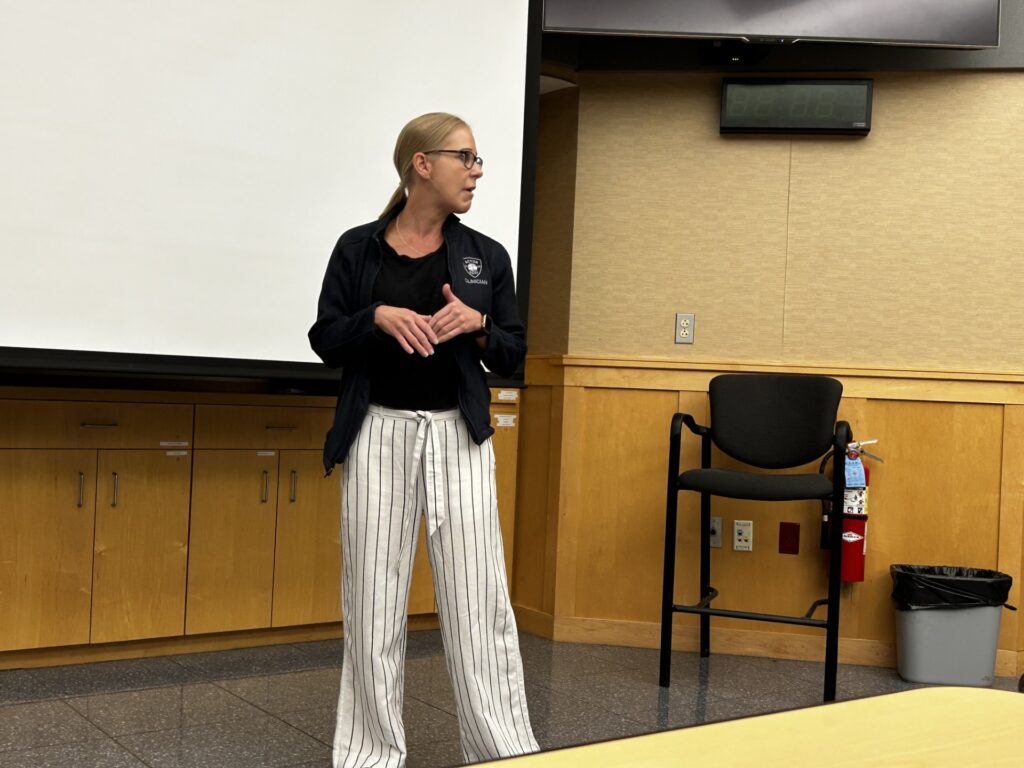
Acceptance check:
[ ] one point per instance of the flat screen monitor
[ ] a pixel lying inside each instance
(938, 23)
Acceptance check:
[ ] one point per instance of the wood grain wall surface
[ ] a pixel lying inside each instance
(591, 518)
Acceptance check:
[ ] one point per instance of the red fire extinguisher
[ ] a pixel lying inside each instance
(855, 512)
(855, 521)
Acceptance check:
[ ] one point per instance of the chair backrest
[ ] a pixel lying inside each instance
(773, 420)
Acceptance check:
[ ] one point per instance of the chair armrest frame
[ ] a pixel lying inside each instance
(693, 426)
(675, 439)
(843, 436)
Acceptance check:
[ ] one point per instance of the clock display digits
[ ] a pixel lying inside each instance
(802, 106)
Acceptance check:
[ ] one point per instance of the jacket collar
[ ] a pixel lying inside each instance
(448, 227)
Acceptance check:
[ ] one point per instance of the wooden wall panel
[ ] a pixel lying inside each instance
(568, 417)
(935, 501)
(951, 491)
(531, 530)
(1011, 525)
(624, 442)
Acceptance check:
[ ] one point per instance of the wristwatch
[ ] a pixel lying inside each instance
(486, 324)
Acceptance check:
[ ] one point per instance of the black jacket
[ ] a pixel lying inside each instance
(344, 334)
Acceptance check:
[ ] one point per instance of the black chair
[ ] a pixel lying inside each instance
(771, 421)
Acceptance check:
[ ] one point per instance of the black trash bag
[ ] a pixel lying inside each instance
(917, 587)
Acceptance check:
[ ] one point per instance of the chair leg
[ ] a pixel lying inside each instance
(668, 588)
(834, 584)
(705, 571)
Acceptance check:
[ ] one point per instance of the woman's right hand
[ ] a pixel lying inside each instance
(411, 330)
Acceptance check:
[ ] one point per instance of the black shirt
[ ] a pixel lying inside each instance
(398, 379)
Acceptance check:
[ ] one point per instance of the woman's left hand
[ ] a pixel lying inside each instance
(455, 318)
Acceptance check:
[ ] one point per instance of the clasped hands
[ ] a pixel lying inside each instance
(421, 333)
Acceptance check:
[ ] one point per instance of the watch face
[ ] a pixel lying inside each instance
(488, 323)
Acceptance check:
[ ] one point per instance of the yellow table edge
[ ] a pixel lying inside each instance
(928, 727)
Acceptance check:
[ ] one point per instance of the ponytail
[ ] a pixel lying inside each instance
(396, 198)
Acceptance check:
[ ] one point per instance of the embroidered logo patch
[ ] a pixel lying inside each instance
(472, 265)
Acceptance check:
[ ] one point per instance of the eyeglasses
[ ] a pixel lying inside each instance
(469, 159)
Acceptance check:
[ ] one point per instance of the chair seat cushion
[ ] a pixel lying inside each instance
(748, 485)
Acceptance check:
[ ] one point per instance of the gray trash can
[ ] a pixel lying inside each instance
(947, 622)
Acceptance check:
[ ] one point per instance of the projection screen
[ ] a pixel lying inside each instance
(173, 176)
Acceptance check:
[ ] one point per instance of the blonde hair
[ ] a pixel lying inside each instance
(420, 134)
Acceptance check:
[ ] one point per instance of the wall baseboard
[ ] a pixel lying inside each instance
(535, 622)
(166, 646)
(739, 642)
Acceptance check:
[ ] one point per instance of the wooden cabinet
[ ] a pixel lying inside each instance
(46, 540)
(124, 521)
(142, 519)
(231, 542)
(74, 567)
(265, 522)
(60, 424)
(307, 561)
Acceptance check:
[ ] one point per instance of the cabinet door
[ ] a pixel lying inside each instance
(307, 568)
(142, 502)
(46, 532)
(231, 542)
(506, 450)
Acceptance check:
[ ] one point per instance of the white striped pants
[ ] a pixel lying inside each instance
(402, 464)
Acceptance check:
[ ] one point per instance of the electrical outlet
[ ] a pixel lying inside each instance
(684, 328)
(716, 532)
(743, 535)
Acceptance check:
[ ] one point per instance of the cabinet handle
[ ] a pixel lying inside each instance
(280, 427)
(113, 501)
(266, 487)
(295, 477)
(81, 489)
(97, 425)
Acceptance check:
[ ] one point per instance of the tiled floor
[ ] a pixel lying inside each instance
(275, 706)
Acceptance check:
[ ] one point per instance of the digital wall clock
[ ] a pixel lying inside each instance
(796, 106)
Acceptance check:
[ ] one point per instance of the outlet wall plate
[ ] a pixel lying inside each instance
(716, 532)
(684, 328)
(743, 535)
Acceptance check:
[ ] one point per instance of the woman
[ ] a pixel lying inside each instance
(410, 306)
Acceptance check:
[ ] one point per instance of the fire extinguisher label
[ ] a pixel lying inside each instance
(855, 501)
(855, 477)
(852, 538)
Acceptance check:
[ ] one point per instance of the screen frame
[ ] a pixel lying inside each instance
(29, 366)
(575, 17)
